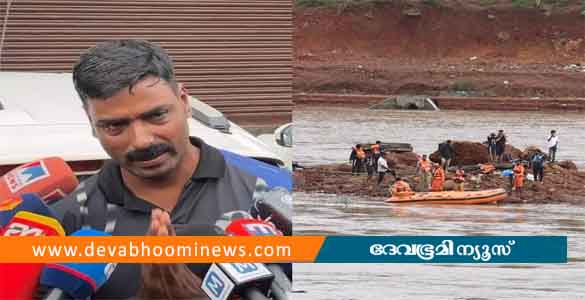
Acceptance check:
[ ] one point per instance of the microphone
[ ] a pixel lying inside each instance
(51, 178)
(23, 278)
(274, 205)
(76, 280)
(232, 280)
(254, 227)
(26, 202)
(227, 280)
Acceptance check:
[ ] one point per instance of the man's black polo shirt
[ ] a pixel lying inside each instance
(216, 187)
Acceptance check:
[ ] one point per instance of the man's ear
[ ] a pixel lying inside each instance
(85, 109)
(184, 95)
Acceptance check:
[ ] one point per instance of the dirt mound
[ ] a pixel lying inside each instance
(472, 153)
(451, 48)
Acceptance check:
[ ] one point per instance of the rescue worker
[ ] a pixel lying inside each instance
(500, 145)
(459, 179)
(491, 144)
(401, 188)
(383, 168)
(423, 168)
(357, 159)
(537, 162)
(447, 154)
(438, 178)
(376, 150)
(370, 163)
(552, 143)
(518, 177)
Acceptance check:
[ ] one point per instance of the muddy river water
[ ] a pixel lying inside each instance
(325, 135)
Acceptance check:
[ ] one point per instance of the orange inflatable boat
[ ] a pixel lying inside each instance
(452, 197)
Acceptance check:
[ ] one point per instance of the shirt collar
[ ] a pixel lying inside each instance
(211, 166)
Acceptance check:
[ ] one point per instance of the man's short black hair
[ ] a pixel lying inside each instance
(114, 65)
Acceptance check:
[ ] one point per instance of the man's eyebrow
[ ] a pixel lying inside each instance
(154, 111)
(144, 115)
(106, 122)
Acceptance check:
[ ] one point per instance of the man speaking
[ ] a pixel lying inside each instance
(139, 113)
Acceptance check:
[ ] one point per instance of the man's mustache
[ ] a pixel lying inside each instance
(149, 153)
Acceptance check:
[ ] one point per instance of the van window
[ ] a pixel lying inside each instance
(286, 137)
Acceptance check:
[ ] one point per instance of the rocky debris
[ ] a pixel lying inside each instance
(402, 159)
(472, 153)
(560, 185)
(567, 164)
(530, 151)
(562, 181)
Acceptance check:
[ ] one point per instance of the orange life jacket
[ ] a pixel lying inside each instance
(375, 148)
(425, 165)
(400, 187)
(360, 153)
(519, 170)
(439, 174)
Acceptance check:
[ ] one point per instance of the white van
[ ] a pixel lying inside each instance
(41, 116)
(281, 143)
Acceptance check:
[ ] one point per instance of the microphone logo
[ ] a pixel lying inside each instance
(19, 229)
(216, 284)
(260, 229)
(25, 175)
(244, 268)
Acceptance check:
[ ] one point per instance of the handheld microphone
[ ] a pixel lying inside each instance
(281, 285)
(22, 280)
(274, 205)
(232, 280)
(51, 178)
(9, 207)
(225, 280)
(76, 280)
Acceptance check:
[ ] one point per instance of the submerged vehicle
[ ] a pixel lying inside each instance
(41, 116)
(452, 197)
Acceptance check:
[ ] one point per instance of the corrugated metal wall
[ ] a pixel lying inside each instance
(235, 55)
